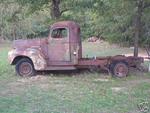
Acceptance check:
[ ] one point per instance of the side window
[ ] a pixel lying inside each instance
(59, 33)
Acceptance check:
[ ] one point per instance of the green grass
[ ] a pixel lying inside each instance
(82, 92)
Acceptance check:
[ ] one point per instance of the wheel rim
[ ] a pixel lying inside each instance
(25, 69)
(121, 70)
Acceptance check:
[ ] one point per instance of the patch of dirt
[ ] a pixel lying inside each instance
(119, 89)
(43, 82)
(22, 84)
(45, 86)
(136, 82)
(130, 84)
(12, 89)
(32, 79)
(101, 80)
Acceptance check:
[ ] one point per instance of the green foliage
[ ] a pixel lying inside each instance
(112, 20)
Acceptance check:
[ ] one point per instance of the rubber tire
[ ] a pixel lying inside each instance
(20, 62)
(113, 65)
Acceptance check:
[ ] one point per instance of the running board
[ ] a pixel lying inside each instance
(61, 68)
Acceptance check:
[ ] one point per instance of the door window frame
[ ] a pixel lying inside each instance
(68, 33)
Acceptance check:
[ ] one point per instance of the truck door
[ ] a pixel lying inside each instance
(59, 49)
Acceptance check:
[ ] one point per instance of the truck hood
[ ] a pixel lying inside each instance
(23, 44)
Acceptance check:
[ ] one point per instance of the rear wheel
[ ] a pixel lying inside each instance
(119, 69)
(25, 68)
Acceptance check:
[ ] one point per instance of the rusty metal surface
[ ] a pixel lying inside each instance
(50, 51)
(74, 30)
(37, 58)
(65, 51)
(59, 50)
(35, 55)
(54, 53)
(104, 62)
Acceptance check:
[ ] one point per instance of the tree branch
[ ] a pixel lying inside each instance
(64, 11)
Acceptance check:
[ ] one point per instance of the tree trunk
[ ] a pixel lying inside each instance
(138, 26)
(55, 10)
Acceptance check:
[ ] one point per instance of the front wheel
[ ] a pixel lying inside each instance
(25, 68)
(119, 69)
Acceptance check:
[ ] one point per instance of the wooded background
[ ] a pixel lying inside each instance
(118, 21)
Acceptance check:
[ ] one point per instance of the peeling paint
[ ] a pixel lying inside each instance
(37, 59)
(63, 51)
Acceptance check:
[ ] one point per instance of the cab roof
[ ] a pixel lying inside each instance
(69, 24)
(74, 29)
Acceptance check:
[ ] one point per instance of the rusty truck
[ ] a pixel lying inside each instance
(62, 50)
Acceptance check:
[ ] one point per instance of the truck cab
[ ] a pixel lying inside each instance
(64, 44)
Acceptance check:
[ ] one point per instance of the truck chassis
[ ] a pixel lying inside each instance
(62, 50)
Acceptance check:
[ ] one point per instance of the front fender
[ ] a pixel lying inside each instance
(34, 54)
(37, 58)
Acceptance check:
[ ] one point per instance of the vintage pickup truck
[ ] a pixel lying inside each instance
(62, 50)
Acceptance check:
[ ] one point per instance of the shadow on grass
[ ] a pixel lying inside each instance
(71, 73)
